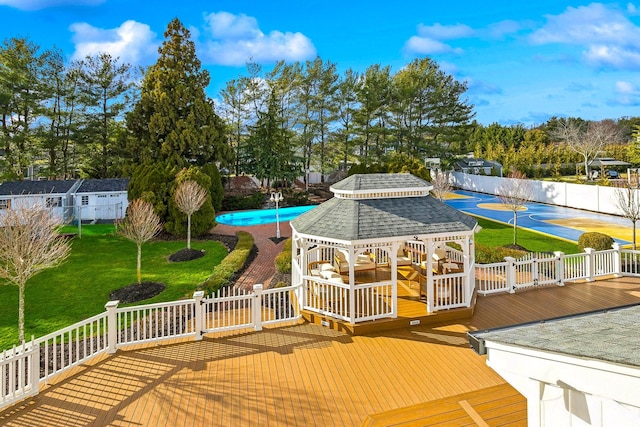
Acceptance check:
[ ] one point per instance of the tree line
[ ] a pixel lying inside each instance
(98, 117)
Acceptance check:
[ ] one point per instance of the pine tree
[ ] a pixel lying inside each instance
(174, 120)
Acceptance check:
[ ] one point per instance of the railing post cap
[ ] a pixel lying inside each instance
(112, 304)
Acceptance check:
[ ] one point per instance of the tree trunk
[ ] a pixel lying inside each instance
(20, 314)
(139, 271)
(634, 235)
(188, 231)
(515, 226)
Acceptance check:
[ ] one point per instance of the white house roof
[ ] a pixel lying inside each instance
(103, 185)
(610, 335)
(14, 188)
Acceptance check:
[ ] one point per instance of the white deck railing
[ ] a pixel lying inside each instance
(24, 368)
(556, 269)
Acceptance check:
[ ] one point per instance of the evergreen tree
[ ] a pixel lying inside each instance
(105, 86)
(21, 97)
(216, 189)
(174, 121)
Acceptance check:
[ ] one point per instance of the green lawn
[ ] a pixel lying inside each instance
(100, 262)
(495, 234)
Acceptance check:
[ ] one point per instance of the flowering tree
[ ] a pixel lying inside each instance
(514, 193)
(29, 244)
(189, 197)
(140, 225)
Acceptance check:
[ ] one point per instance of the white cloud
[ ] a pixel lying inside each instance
(234, 39)
(632, 9)
(445, 32)
(43, 4)
(428, 46)
(132, 41)
(626, 88)
(610, 39)
(428, 41)
(626, 94)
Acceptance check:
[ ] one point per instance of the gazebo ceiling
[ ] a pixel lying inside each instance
(353, 219)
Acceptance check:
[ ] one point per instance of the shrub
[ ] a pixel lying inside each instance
(295, 198)
(216, 189)
(233, 262)
(236, 203)
(488, 255)
(595, 240)
(283, 260)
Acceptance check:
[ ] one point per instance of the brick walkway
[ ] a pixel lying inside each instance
(263, 267)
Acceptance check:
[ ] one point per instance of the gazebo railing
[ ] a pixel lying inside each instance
(449, 291)
(371, 300)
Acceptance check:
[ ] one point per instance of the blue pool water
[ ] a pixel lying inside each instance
(262, 216)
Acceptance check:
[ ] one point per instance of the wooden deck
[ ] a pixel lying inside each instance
(307, 375)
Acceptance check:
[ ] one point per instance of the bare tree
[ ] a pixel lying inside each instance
(189, 197)
(588, 139)
(140, 225)
(514, 193)
(628, 201)
(30, 243)
(441, 184)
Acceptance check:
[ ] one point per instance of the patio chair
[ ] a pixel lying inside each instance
(403, 258)
(363, 262)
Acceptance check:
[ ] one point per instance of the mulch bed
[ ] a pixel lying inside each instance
(186, 254)
(137, 292)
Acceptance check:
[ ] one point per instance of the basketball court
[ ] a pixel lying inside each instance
(557, 221)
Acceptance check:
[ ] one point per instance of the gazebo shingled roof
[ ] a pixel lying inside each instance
(351, 219)
(380, 181)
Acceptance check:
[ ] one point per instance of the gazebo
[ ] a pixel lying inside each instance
(347, 253)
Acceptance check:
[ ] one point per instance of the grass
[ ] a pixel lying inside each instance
(100, 263)
(495, 234)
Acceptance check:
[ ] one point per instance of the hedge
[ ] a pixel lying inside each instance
(283, 260)
(231, 264)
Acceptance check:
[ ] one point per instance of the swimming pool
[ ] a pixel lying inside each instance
(262, 216)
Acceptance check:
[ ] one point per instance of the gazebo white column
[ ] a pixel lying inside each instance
(352, 286)
(394, 278)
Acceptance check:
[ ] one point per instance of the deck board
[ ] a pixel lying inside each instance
(309, 375)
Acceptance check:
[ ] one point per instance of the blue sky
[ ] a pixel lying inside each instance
(524, 61)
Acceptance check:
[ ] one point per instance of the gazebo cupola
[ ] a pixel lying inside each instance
(347, 253)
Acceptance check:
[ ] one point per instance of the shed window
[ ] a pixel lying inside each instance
(84, 200)
(5, 203)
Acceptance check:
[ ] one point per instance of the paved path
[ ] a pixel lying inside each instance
(263, 267)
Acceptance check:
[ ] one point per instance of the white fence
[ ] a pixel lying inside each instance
(555, 269)
(589, 197)
(24, 368)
